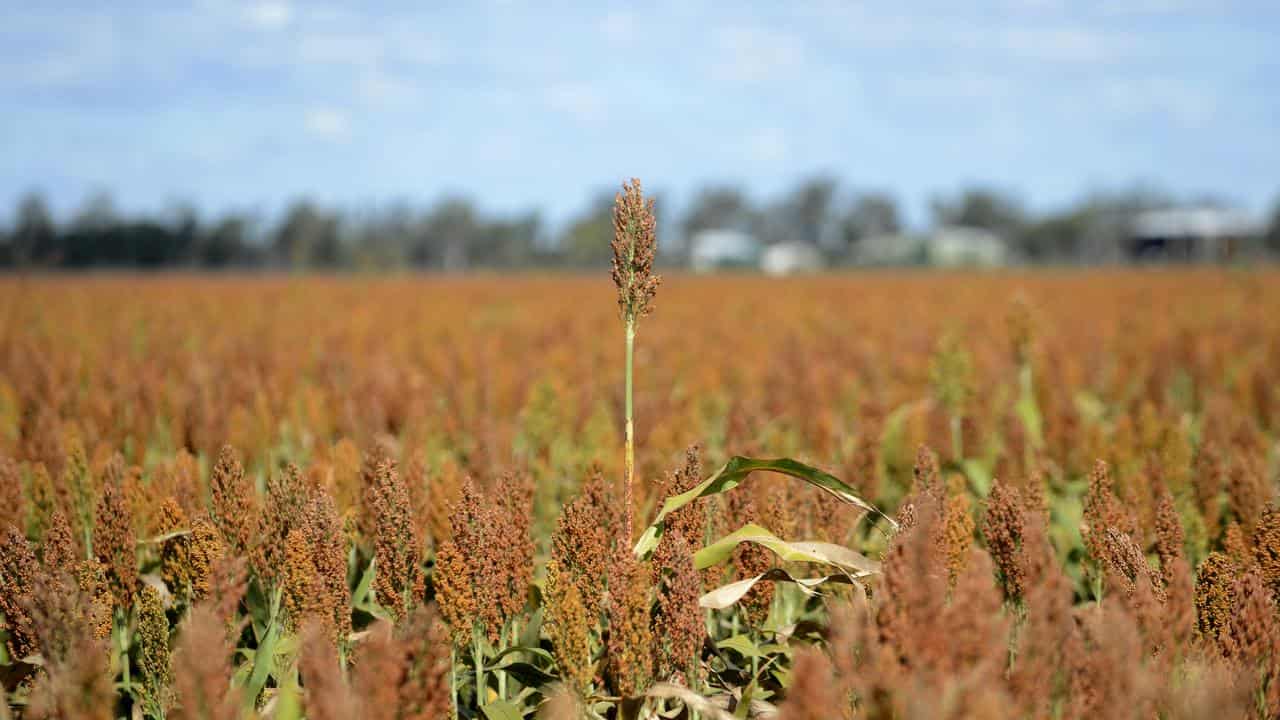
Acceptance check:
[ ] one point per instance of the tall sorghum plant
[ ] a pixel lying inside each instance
(635, 242)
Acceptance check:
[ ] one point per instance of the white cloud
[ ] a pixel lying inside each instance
(269, 14)
(327, 122)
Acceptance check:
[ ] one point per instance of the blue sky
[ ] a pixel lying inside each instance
(250, 104)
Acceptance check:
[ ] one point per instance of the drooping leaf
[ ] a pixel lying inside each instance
(837, 556)
(528, 674)
(506, 657)
(691, 699)
(733, 473)
(726, 595)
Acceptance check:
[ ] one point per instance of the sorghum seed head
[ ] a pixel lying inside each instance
(678, 625)
(569, 626)
(91, 579)
(635, 244)
(1169, 535)
(580, 543)
(1215, 601)
(1266, 547)
(813, 694)
(175, 552)
(285, 494)
(233, 502)
(322, 530)
(398, 581)
(1003, 530)
(205, 551)
(327, 695)
(153, 649)
(690, 520)
(630, 664)
(957, 532)
(202, 670)
(304, 598)
(59, 548)
(18, 570)
(114, 542)
(13, 505)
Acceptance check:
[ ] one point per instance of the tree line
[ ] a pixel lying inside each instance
(455, 234)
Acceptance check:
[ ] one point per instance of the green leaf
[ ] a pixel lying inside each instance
(737, 470)
(288, 702)
(162, 538)
(538, 652)
(501, 710)
(1027, 409)
(726, 595)
(822, 553)
(528, 674)
(361, 594)
(263, 663)
(740, 644)
(892, 437)
(978, 474)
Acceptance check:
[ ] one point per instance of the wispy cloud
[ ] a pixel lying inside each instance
(269, 14)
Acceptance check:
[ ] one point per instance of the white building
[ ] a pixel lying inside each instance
(1191, 233)
(889, 250)
(966, 246)
(789, 258)
(712, 250)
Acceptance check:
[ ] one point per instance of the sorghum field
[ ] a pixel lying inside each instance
(285, 497)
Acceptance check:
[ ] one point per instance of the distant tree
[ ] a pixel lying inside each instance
(384, 238)
(184, 225)
(308, 237)
(809, 209)
(34, 237)
(717, 208)
(1273, 229)
(586, 241)
(97, 213)
(446, 234)
(506, 243)
(870, 214)
(225, 244)
(980, 207)
(1094, 229)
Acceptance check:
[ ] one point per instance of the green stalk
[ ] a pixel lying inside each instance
(477, 656)
(957, 439)
(629, 463)
(502, 674)
(453, 677)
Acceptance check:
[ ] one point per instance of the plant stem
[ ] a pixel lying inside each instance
(629, 462)
(957, 439)
(453, 677)
(502, 674)
(478, 658)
